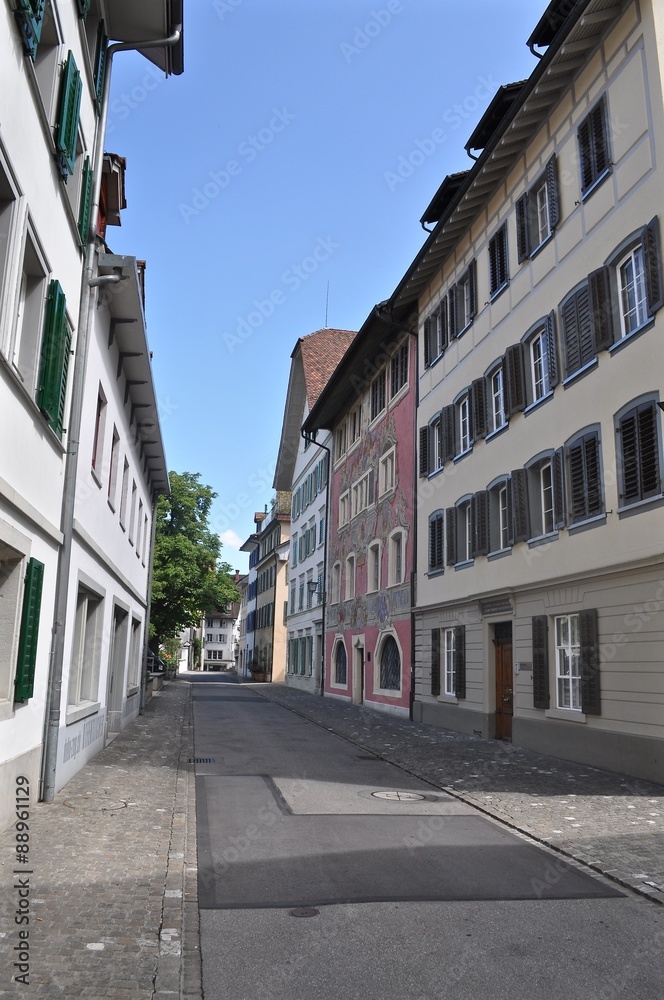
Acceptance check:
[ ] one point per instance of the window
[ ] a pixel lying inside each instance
(539, 368)
(399, 369)
(294, 544)
(436, 532)
(378, 394)
(340, 663)
(463, 425)
(432, 447)
(134, 670)
(124, 493)
(363, 493)
(310, 596)
(545, 497)
(8, 207)
(541, 361)
(292, 599)
(584, 478)
(568, 662)
(458, 529)
(390, 665)
(98, 439)
(594, 147)
(336, 583)
(435, 662)
(498, 262)
(435, 333)
(373, 576)
(30, 313)
(350, 578)
(577, 330)
(396, 552)
(450, 686)
(140, 542)
(300, 600)
(321, 531)
(355, 424)
(462, 302)
(84, 670)
(12, 574)
(340, 440)
(496, 393)
(113, 468)
(537, 212)
(632, 290)
(344, 509)
(454, 661)
(319, 592)
(386, 472)
(499, 516)
(44, 48)
(639, 454)
(132, 511)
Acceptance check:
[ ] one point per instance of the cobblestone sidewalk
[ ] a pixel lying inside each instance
(113, 904)
(611, 822)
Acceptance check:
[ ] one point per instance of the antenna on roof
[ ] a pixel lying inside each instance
(327, 299)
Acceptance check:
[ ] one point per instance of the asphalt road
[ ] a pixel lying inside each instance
(325, 872)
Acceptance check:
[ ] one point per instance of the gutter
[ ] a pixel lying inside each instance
(85, 315)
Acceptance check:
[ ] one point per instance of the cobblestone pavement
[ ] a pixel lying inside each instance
(113, 904)
(612, 822)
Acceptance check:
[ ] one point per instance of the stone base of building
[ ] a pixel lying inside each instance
(459, 720)
(27, 765)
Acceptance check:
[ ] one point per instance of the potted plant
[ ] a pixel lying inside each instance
(256, 670)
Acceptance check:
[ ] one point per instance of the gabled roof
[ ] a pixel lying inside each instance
(443, 197)
(502, 101)
(313, 361)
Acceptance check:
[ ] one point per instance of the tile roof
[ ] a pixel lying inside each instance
(321, 353)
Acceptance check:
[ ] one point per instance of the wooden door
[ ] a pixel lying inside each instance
(504, 689)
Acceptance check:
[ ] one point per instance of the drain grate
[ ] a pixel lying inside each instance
(304, 911)
(398, 796)
(201, 760)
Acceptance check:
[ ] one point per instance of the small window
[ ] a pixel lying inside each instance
(350, 578)
(639, 454)
(499, 517)
(462, 301)
(124, 493)
(436, 333)
(373, 575)
(86, 648)
(545, 495)
(463, 425)
(498, 262)
(98, 439)
(568, 662)
(8, 209)
(436, 533)
(362, 493)
(495, 384)
(594, 154)
(340, 441)
(344, 509)
(541, 361)
(399, 369)
(386, 472)
(29, 314)
(463, 533)
(577, 330)
(449, 651)
(113, 467)
(390, 665)
(355, 424)
(340, 672)
(336, 583)
(396, 557)
(134, 670)
(537, 212)
(631, 274)
(378, 400)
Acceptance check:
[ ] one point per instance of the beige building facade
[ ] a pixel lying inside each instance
(272, 588)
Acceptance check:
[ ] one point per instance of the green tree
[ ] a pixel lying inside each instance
(188, 579)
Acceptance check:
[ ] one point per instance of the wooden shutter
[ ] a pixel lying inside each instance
(435, 661)
(587, 172)
(552, 193)
(29, 634)
(551, 350)
(599, 138)
(629, 458)
(651, 253)
(592, 475)
(570, 335)
(577, 483)
(427, 342)
(85, 207)
(557, 477)
(522, 241)
(601, 309)
(56, 345)
(510, 512)
(590, 665)
(460, 661)
(472, 283)
(515, 379)
(100, 63)
(452, 312)
(480, 523)
(493, 265)
(520, 508)
(478, 399)
(450, 532)
(540, 639)
(447, 431)
(30, 17)
(436, 561)
(424, 451)
(648, 451)
(66, 129)
(443, 326)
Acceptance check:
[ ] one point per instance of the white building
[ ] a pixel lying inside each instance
(302, 467)
(54, 83)
(218, 632)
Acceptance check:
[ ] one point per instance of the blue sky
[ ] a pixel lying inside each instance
(299, 148)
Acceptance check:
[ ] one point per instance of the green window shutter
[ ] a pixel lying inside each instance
(85, 208)
(29, 17)
(66, 129)
(54, 364)
(540, 638)
(590, 666)
(100, 63)
(83, 8)
(27, 646)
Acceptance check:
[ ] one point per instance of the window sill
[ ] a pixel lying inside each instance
(499, 291)
(579, 373)
(95, 475)
(632, 335)
(499, 554)
(641, 505)
(447, 699)
(542, 539)
(540, 246)
(388, 692)
(595, 184)
(464, 565)
(497, 431)
(565, 714)
(436, 472)
(111, 505)
(377, 419)
(434, 361)
(538, 402)
(399, 395)
(133, 690)
(462, 455)
(433, 573)
(590, 522)
(77, 712)
(464, 329)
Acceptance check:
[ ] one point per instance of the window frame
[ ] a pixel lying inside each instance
(528, 231)
(378, 396)
(385, 641)
(592, 134)
(583, 453)
(633, 411)
(396, 557)
(499, 262)
(436, 546)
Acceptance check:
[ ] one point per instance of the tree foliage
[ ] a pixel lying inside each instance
(188, 578)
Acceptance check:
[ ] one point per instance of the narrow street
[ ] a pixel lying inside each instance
(326, 871)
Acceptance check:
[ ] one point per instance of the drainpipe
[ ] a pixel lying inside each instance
(85, 313)
(327, 525)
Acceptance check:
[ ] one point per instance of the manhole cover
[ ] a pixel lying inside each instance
(304, 911)
(398, 796)
(201, 760)
(96, 805)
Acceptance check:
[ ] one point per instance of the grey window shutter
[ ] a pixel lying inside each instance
(540, 640)
(552, 192)
(570, 335)
(601, 308)
(447, 430)
(557, 475)
(577, 483)
(587, 172)
(510, 512)
(450, 532)
(520, 508)
(590, 665)
(444, 324)
(424, 451)
(460, 661)
(480, 523)
(600, 137)
(522, 241)
(427, 342)
(478, 399)
(552, 352)
(452, 312)
(472, 280)
(653, 265)
(435, 661)
(515, 378)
